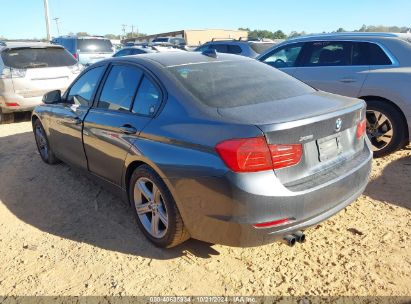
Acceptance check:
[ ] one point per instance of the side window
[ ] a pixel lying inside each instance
(366, 53)
(136, 52)
(221, 48)
(120, 87)
(121, 53)
(148, 98)
(234, 49)
(82, 90)
(328, 53)
(284, 57)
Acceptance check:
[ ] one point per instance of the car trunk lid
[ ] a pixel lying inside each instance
(323, 124)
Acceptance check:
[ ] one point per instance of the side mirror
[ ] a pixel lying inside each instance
(52, 97)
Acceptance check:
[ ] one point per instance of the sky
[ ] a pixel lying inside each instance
(22, 19)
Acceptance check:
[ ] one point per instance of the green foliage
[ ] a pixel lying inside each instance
(82, 34)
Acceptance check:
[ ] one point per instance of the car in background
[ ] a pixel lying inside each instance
(2, 43)
(244, 47)
(375, 67)
(137, 50)
(29, 70)
(241, 161)
(169, 40)
(87, 50)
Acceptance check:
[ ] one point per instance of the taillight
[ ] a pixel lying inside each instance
(285, 155)
(245, 155)
(12, 104)
(254, 154)
(361, 127)
(75, 55)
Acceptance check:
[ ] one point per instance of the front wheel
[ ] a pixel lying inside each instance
(43, 146)
(385, 127)
(156, 211)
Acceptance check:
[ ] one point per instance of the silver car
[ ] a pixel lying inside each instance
(28, 70)
(375, 67)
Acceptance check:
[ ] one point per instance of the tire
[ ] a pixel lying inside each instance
(385, 127)
(155, 209)
(43, 146)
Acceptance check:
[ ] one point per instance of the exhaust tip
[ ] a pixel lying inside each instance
(290, 240)
(299, 236)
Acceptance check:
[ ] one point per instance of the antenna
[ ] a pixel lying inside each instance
(57, 25)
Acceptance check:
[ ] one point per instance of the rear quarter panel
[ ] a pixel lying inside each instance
(392, 84)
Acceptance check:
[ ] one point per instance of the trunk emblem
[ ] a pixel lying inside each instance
(338, 125)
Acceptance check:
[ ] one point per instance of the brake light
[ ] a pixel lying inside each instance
(245, 155)
(12, 104)
(285, 155)
(75, 55)
(361, 127)
(254, 154)
(271, 224)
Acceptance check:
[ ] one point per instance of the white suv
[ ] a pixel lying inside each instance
(29, 70)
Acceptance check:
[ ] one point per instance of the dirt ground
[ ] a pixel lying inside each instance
(60, 234)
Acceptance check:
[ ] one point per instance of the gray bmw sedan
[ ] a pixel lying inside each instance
(216, 147)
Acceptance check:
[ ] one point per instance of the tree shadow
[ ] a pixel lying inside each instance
(393, 185)
(65, 203)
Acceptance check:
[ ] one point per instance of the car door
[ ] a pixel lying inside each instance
(284, 57)
(66, 125)
(330, 66)
(119, 114)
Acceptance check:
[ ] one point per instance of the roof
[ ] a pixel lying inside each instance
(406, 36)
(13, 45)
(168, 59)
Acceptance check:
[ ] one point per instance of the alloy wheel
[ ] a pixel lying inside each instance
(150, 207)
(379, 129)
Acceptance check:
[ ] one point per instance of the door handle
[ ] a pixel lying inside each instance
(73, 120)
(128, 129)
(348, 80)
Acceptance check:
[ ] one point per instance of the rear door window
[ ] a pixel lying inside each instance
(27, 58)
(83, 89)
(148, 98)
(221, 48)
(94, 45)
(234, 49)
(367, 53)
(119, 88)
(327, 53)
(283, 57)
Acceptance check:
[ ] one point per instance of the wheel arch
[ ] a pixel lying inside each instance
(371, 97)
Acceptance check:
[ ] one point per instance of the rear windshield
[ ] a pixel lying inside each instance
(260, 47)
(94, 45)
(160, 40)
(26, 58)
(237, 83)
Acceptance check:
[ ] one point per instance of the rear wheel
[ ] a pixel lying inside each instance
(385, 127)
(156, 211)
(43, 146)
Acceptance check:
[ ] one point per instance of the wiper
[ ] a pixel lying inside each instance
(35, 65)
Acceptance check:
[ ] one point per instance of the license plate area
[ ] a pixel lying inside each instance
(329, 147)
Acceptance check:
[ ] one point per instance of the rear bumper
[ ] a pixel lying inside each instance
(7, 103)
(223, 209)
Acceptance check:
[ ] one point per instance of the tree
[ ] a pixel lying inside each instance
(112, 36)
(341, 30)
(82, 34)
(279, 35)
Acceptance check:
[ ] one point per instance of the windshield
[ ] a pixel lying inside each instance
(26, 58)
(237, 83)
(94, 45)
(260, 47)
